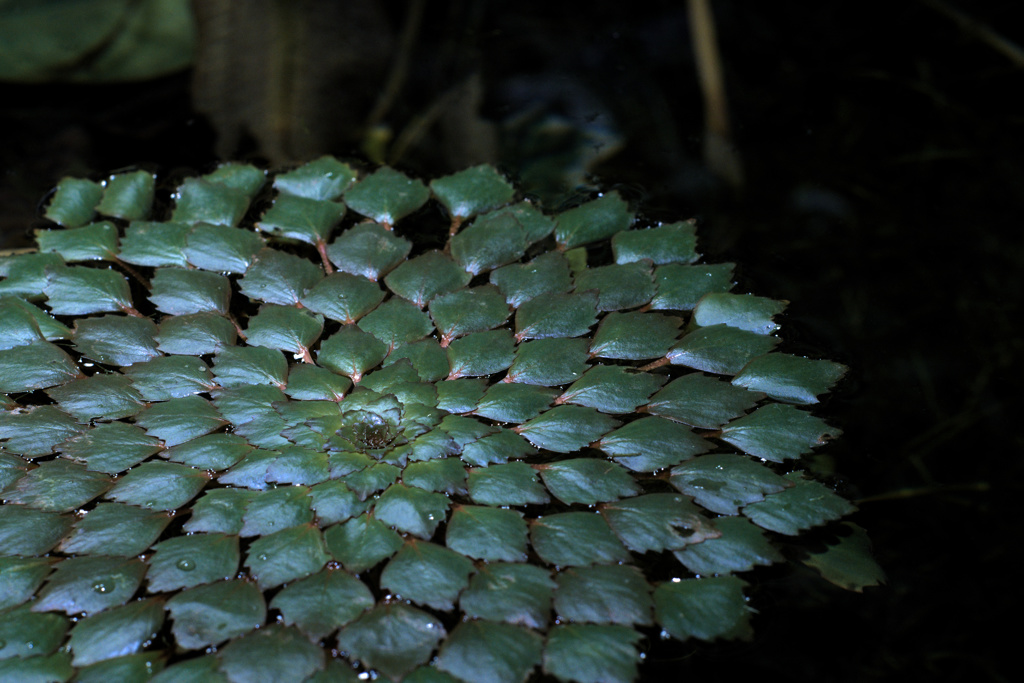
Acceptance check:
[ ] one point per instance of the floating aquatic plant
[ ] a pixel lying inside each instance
(302, 426)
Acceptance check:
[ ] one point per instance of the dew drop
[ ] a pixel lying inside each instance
(262, 557)
(186, 564)
(30, 645)
(103, 586)
(664, 635)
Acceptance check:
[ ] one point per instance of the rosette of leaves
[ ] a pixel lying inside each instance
(327, 425)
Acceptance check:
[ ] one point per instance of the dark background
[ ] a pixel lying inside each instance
(881, 145)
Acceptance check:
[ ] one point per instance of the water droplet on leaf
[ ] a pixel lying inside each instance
(186, 565)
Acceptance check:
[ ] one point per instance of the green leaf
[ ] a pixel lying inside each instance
(128, 196)
(245, 178)
(78, 290)
(219, 511)
(739, 547)
(444, 475)
(159, 485)
(652, 443)
(720, 349)
(521, 282)
(681, 287)
(93, 242)
(565, 429)
(279, 278)
(514, 593)
(36, 430)
(396, 322)
(343, 297)
(24, 633)
(672, 243)
(557, 315)
(12, 468)
(284, 327)
(323, 602)
(116, 632)
(286, 555)
(240, 366)
(323, 178)
(634, 335)
(351, 352)
(187, 561)
(101, 396)
(499, 237)
(134, 667)
(803, 505)
(511, 484)
(166, 377)
(24, 531)
(653, 522)
(469, 310)
(361, 543)
(116, 339)
(574, 539)
(459, 395)
(22, 577)
(271, 654)
(57, 486)
(618, 286)
(201, 669)
(392, 638)
(426, 276)
(549, 362)
(514, 402)
(411, 510)
(298, 466)
(612, 389)
(723, 482)
(334, 502)
(587, 480)
(222, 249)
(210, 614)
(25, 275)
(110, 448)
(592, 653)
(301, 218)
(147, 243)
(703, 608)
(372, 480)
(778, 432)
(744, 311)
(90, 585)
(486, 533)
(701, 401)
(22, 323)
(493, 652)
(472, 191)
(497, 448)
(481, 354)
(595, 220)
(179, 420)
(386, 196)
(195, 335)
(38, 365)
(276, 509)
(74, 202)
(848, 562)
(427, 574)
(616, 594)
(313, 383)
(369, 250)
(115, 529)
(794, 379)
(201, 201)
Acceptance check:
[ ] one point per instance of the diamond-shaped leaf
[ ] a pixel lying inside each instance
(110, 448)
(361, 543)
(116, 632)
(848, 563)
(587, 480)
(618, 286)
(427, 574)
(221, 249)
(115, 529)
(472, 191)
(652, 443)
(803, 505)
(323, 602)
(187, 561)
(793, 379)
(612, 389)
(592, 653)
(411, 510)
(386, 196)
(369, 250)
(90, 585)
(195, 335)
(147, 243)
(343, 297)
(486, 533)
(703, 608)
(166, 377)
(573, 539)
(301, 218)
(22, 577)
(351, 352)
(483, 650)
(284, 327)
(701, 401)
(392, 638)
(286, 555)
(469, 310)
(720, 349)
(396, 322)
(499, 237)
(723, 483)
(25, 634)
(201, 201)
(116, 339)
(557, 315)
(656, 522)
(595, 220)
(323, 178)
(28, 532)
(93, 242)
(681, 287)
(99, 396)
(426, 276)
(37, 430)
(159, 485)
(671, 243)
(738, 548)
(745, 311)
(778, 432)
(77, 290)
(57, 486)
(210, 614)
(179, 420)
(521, 282)
(510, 484)
(514, 593)
(565, 429)
(74, 202)
(276, 277)
(480, 354)
(128, 195)
(22, 323)
(35, 366)
(634, 335)
(616, 594)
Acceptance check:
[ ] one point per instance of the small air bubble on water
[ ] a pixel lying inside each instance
(664, 635)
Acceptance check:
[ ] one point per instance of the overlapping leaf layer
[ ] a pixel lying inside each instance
(297, 428)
